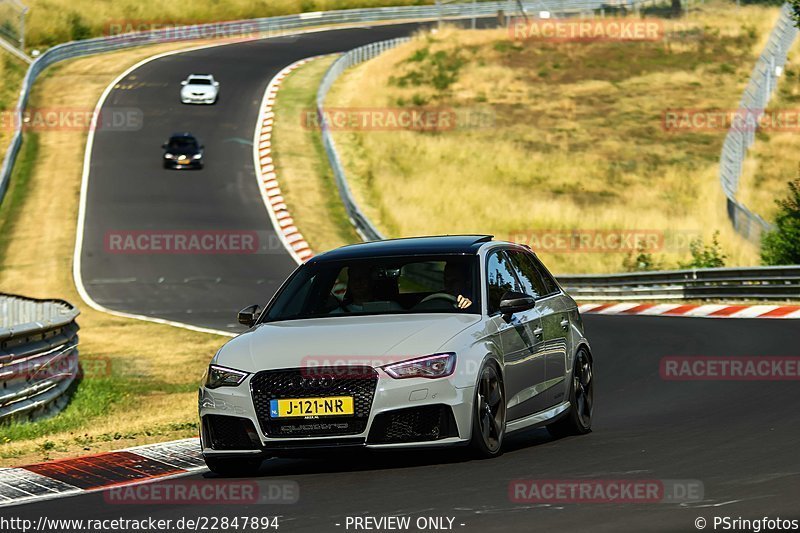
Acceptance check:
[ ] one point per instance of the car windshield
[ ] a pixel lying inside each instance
(182, 143)
(379, 286)
(199, 81)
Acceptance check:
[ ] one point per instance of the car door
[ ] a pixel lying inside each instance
(555, 311)
(520, 340)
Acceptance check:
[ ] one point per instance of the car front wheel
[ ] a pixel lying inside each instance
(489, 414)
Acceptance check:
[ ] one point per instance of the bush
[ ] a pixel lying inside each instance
(77, 28)
(782, 246)
(706, 255)
(643, 261)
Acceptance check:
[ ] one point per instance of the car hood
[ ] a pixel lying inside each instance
(204, 89)
(372, 340)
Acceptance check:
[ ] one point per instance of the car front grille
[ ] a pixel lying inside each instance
(414, 424)
(358, 382)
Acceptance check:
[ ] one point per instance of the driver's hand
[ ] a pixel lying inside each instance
(463, 302)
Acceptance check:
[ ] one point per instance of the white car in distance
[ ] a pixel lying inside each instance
(199, 89)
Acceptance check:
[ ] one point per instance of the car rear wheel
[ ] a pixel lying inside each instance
(489, 414)
(233, 467)
(578, 420)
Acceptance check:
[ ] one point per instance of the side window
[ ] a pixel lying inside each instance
(499, 278)
(549, 283)
(529, 276)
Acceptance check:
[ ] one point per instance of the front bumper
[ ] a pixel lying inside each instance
(198, 99)
(404, 413)
(178, 164)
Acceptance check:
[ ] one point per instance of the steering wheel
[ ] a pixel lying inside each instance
(440, 296)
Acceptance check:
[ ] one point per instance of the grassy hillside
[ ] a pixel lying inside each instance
(577, 139)
(55, 21)
(12, 71)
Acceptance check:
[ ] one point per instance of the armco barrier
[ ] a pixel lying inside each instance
(757, 283)
(264, 27)
(38, 356)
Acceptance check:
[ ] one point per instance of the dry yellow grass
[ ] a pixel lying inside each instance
(53, 21)
(12, 70)
(770, 164)
(37, 261)
(305, 176)
(577, 143)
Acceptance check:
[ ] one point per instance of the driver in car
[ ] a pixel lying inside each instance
(457, 284)
(359, 289)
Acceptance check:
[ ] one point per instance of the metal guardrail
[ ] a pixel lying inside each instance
(260, 28)
(757, 283)
(755, 99)
(38, 356)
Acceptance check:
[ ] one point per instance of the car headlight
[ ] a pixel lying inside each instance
(219, 376)
(169, 156)
(433, 366)
(197, 156)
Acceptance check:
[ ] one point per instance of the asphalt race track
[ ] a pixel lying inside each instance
(129, 191)
(738, 438)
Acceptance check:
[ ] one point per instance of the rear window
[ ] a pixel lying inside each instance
(199, 81)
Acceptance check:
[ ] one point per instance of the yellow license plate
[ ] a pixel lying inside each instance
(331, 406)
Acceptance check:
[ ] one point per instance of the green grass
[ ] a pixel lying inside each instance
(305, 176)
(11, 206)
(93, 398)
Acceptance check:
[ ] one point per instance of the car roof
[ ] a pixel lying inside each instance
(183, 135)
(433, 245)
(204, 76)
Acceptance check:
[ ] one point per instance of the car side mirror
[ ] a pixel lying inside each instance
(249, 315)
(185, 82)
(164, 146)
(216, 84)
(515, 302)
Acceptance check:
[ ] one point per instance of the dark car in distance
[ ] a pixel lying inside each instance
(183, 150)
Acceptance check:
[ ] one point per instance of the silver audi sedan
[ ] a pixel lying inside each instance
(419, 342)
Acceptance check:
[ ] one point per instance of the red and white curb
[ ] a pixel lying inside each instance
(693, 310)
(267, 175)
(68, 477)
